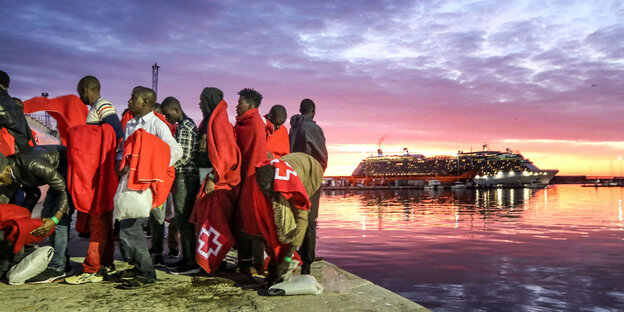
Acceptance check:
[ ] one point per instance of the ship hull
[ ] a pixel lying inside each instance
(516, 179)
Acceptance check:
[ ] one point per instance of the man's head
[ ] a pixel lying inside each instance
(307, 108)
(277, 116)
(141, 101)
(264, 178)
(18, 102)
(89, 89)
(248, 99)
(5, 171)
(209, 99)
(4, 80)
(172, 110)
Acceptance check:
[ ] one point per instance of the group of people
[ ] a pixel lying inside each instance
(252, 186)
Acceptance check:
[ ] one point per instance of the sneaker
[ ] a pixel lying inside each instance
(159, 261)
(173, 253)
(84, 278)
(175, 265)
(108, 270)
(186, 269)
(47, 276)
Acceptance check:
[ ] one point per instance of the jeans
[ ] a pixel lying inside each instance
(134, 247)
(186, 186)
(308, 247)
(60, 237)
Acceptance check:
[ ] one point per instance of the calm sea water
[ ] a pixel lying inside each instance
(560, 248)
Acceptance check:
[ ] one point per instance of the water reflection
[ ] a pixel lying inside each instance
(545, 249)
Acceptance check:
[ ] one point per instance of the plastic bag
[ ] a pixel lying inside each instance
(334, 281)
(296, 284)
(30, 266)
(131, 204)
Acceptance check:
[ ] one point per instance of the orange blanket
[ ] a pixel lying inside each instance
(148, 159)
(91, 175)
(222, 149)
(17, 224)
(278, 143)
(7, 142)
(67, 110)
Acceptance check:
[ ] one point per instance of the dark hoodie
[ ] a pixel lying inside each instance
(12, 118)
(307, 137)
(210, 98)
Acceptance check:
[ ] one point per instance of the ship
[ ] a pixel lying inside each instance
(410, 170)
(507, 168)
(480, 169)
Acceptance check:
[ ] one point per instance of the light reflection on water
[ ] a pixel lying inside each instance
(504, 249)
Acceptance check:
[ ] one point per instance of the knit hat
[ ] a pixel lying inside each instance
(3, 161)
(4, 79)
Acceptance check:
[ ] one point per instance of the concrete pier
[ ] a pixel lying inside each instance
(222, 292)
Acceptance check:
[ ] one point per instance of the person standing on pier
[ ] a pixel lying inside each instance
(144, 137)
(186, 184)
(100, 221)
(307, 137)
(12, 120)
(278, 143)
(251, 140)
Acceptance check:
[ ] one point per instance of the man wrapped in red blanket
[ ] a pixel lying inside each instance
(218, 195)
(282, 204)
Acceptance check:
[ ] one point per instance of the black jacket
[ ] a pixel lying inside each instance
(12, 118)
(41, 165)
(307, 137)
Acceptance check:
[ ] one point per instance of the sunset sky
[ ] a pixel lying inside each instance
(545, 78)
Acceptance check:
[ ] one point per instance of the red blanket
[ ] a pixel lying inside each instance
(148, 159)
(17, 224)
(67, 110)
(251, 139)
(7, 142)
(211, 215)
(278, 143)
(91, 175)
(127, 115)
(222, 149)
(290, 186)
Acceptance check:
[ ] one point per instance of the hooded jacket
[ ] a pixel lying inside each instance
(12, 118)
(307, 137)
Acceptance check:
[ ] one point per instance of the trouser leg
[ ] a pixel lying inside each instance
(307, 250)
(186, 187)
(132, 241)
(158, 234)
(101, 245)
(60, 236)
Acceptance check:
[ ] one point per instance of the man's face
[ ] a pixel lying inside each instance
(82, 92)
(172, 114)
(277, 121)
(242, 106)
(137, 105)
(5, 177)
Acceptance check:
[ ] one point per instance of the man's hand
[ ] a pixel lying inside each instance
(209, 188)
(120, 173)
(45, 228)
(281, 269)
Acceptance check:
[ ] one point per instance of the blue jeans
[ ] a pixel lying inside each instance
(60, 237)
(134, 247)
